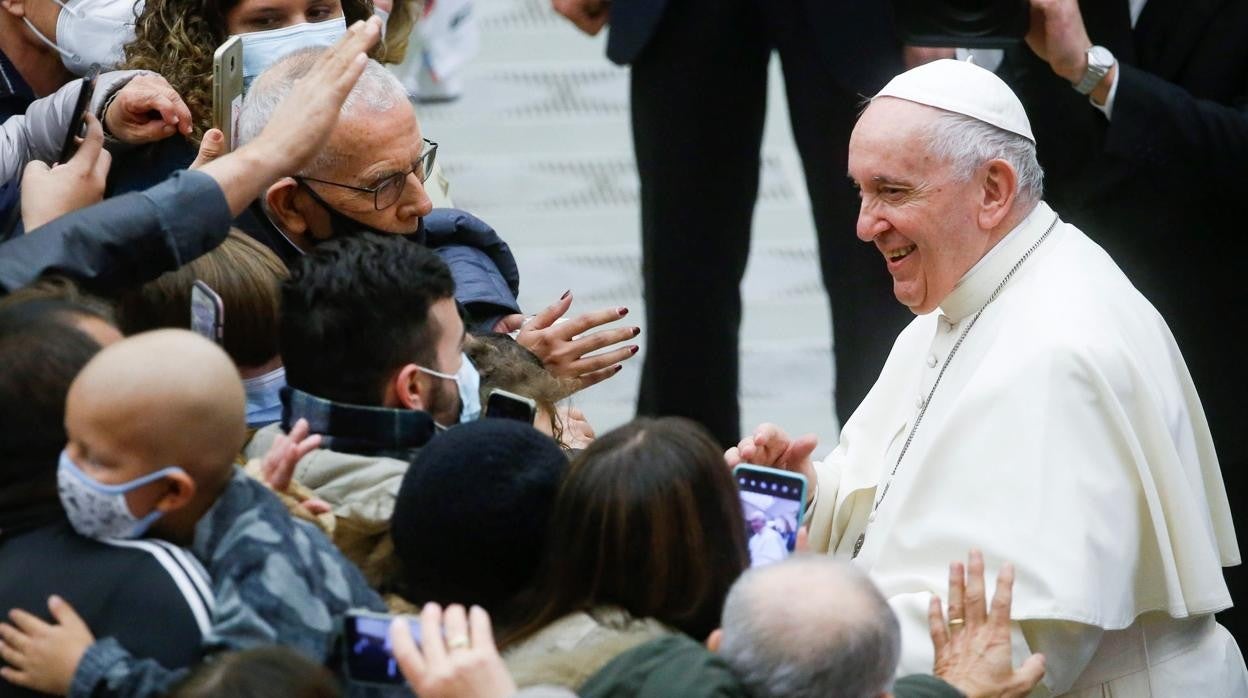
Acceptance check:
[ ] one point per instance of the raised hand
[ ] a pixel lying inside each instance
(565, 348)
(457, 657)
(973, 647)
(770, 446)
(51, 192)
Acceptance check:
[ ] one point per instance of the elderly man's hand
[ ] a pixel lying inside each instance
(974, 655)
(590, 16)
(44, 656)
(456, 658)
(147, 109)
(770, 446)
(1058, 37)
(566, 353)
(51, 192)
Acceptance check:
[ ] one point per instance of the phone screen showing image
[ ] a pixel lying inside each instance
(368, 653)
(206, 312)
(772, 503)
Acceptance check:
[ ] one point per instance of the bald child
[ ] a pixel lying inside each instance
(154, 424)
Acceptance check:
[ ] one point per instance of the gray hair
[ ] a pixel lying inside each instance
(841, 641)
(377, 90)
(967, 143)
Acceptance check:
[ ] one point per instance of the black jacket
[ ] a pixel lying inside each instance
(1163, 185)
(150, 596)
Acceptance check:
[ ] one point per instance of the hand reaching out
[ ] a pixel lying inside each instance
(457, 657)
(974, 655)
(51, 192)
(565, 347)
(44, 656)
(770, 446)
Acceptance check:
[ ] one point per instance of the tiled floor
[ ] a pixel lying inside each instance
(540, 146)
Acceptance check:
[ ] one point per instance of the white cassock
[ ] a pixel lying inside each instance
(767, 546)
(1066, 437)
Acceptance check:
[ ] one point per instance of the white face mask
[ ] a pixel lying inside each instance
(90, 32)
(263, 49)
(100, 511)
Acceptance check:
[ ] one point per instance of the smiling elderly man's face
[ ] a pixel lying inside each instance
(914, 208)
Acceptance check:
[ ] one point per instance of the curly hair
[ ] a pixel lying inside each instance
(176, 38)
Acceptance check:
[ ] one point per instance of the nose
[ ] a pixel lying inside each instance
(415, 202)
(870, 225)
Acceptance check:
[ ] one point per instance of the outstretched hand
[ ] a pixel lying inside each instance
(51, 192)
(44, 656)
(565, 347)
(770, 446)
(973, 655)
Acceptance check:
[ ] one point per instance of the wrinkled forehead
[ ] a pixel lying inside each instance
(367, 139)
(895, 131)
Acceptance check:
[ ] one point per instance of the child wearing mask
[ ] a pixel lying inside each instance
(154, 423)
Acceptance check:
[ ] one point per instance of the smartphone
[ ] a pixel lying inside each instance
(227, 89)
(773, 503)
(505, 405)
(207, 312)
(77, 122)
(367, 653)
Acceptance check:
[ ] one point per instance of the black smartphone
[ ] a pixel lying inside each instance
(367, 653)
(505, 405)
(77, 122)
(962, 23)
(773, 503)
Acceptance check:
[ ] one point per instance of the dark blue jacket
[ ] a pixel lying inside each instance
(487, 280)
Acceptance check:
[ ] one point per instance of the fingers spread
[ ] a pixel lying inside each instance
(936, 625)
(595, 377)
(957, 586)
(974, 601)
(1003, 597)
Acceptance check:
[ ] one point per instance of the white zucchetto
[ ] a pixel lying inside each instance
(963, 88)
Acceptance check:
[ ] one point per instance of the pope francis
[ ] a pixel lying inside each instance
(1036, 408)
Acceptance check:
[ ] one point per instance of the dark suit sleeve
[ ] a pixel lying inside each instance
(1158, 123)
(123, 241)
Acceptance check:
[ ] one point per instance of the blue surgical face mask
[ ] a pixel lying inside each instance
(263, 49)
(468, 379)
(264, 401)
(101, 511)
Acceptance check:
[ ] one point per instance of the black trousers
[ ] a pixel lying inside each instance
(699, 93)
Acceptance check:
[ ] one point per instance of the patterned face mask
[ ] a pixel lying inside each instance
(100, 511)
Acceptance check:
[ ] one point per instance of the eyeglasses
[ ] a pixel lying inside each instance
(388, 191)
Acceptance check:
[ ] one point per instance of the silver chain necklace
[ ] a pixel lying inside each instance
(862, 537)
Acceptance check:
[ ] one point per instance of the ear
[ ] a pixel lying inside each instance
(181, 490)
(17, 8)
(714, 639)
(408, 389)
(292, 211)
(1000, 188)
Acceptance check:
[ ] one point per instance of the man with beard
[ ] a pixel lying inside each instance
(372, 342)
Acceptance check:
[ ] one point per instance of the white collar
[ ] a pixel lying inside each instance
(977, 285)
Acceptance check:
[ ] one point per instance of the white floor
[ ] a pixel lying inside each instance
(540, 147)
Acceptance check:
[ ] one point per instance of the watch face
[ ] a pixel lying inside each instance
(1101, 56)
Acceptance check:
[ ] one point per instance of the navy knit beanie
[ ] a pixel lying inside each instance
(469, 523)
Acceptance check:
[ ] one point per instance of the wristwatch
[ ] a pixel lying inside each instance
(1100, 60)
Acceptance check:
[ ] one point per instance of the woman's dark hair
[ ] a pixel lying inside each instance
(647, 520)
(261, 672)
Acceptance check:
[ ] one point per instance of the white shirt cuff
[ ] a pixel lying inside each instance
(1108, 107)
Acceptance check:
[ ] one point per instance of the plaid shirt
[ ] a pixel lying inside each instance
(357, 429)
